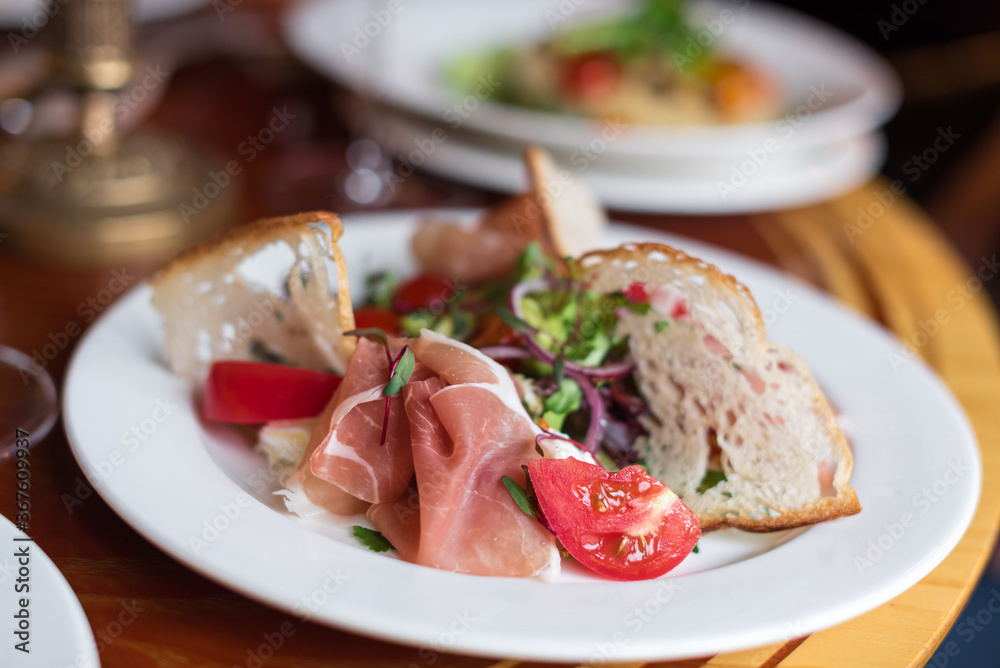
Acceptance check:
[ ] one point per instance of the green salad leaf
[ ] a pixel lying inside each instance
(567, 399)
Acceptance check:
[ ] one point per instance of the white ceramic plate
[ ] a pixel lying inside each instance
(60, 632)
(715, 185)
(833, 86)
(202, 496)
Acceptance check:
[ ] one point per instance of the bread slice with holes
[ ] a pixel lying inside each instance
(273, 290)
(724, 398)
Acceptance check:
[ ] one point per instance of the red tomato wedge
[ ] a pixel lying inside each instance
(422, 292)
(626, 525)
(253, 392)
(384, 319)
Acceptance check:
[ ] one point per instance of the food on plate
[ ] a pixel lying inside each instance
(468, 430)
(626, 525)
(558, 212)
(244, 392)
(612, 405)
(652, 66)
(736, 424)
(274, 291)
(642, 354)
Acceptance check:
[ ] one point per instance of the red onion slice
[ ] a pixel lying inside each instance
(518, 292)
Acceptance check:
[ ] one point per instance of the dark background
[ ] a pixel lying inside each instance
(947, 54)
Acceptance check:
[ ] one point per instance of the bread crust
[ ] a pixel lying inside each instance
(246, 235)
(601, 265)
(260, 233)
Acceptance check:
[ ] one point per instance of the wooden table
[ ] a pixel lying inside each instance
(898, 270)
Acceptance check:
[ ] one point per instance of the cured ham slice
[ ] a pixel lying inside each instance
(468, 430)
(351, 456)
(307, 495)
(399, 522)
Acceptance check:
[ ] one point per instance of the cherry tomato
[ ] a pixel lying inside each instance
(591, 76)
(626, 525)
(422, 292)
(383, 318)
(253, 392)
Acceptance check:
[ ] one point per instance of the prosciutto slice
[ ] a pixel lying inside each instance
(321, 494)
(468, 429)
(350, 456)
(399, 522)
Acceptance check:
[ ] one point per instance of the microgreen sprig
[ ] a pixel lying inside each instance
(400, 369)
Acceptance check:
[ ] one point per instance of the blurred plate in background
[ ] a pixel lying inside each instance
(833, 87)
(712, 185)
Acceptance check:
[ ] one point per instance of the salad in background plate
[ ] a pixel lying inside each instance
(652, 66)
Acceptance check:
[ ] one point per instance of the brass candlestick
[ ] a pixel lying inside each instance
(100, 195)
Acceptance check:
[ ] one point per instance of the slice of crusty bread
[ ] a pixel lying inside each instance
(711, 377)
(558, 211)
(278, 284)
(572, 218)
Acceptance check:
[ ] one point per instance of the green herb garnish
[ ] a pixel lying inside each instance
(519, 495)
(515, 323)
(400, 372)
(662, 325)
(372, 334)
(400, 369)
(372, 539)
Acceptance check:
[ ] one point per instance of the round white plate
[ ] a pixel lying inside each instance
(15, 12)
(201, 495)
(60, 634)
(715, 185)
(833, 86)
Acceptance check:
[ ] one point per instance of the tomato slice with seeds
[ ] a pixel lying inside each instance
(625, 525)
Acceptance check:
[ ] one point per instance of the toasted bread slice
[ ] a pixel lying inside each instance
(572, 218)
(274, 288)
(558, 212)
(720, 393)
